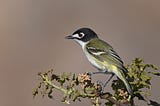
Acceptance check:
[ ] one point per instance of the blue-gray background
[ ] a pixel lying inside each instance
(32, 39)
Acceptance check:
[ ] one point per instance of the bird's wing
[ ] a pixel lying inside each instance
(104, 52)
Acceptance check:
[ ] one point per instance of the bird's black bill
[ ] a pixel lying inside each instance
(69, 37)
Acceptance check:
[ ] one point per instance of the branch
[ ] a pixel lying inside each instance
(74, 88)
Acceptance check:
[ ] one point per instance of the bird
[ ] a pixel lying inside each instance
(101, 55)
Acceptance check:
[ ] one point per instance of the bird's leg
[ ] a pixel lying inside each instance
(97, 72)
(100, 82)
(104, 85)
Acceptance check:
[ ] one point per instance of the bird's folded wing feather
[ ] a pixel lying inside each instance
(104, 52)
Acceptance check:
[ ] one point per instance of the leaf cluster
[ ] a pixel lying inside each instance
(139, 76)
(75, 87)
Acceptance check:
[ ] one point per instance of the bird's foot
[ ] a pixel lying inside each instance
(101, 88)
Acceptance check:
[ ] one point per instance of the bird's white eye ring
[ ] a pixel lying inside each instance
(81, 35)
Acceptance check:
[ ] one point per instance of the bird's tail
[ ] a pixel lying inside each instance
(126, 83)
(128, 86)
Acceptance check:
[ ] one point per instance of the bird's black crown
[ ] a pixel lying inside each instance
(85, 34)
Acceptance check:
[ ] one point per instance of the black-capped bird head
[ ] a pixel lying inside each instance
(83, 35)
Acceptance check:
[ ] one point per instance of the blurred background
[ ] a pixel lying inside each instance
(32, 40)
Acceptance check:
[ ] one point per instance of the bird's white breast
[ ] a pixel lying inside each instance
(90, 58)
(93, 60)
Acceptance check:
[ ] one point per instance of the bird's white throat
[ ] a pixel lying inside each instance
(81, 43)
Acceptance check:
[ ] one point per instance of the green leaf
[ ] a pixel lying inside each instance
(74, 77)
(65, 75)
(144, 76)
(109, 103)
(50, 93)
(151, 66)
(35, 92)
(155, 73)
(139, 96)
(61, 81)
(153, 103)
(54, 76)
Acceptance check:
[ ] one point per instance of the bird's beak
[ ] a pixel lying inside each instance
(69, 37)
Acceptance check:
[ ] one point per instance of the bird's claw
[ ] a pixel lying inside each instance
(102, 86)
